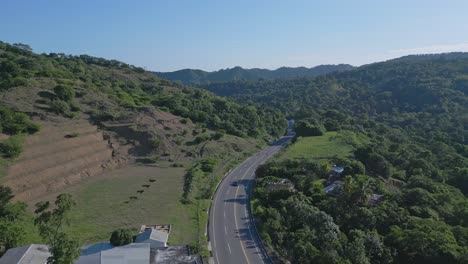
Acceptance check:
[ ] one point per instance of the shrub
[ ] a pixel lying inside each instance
(208, 165)
(125, 98)
(218, 135)
(75, 107)
(121, 237)
(12, 147)
(201, 138)
(14, 123)
(179, 140)
(64, 92)
(155, 142)
(18, 81)
(59, 106)
(72, 135)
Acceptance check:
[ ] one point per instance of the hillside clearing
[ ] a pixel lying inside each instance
(319, 147)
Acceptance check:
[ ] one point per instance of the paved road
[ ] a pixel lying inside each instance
(232, 235)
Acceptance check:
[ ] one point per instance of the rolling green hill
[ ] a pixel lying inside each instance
(198, 77)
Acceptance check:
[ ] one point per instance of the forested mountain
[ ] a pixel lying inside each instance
(406, 120)
(189, 76)
(130, 86)
(424, 94)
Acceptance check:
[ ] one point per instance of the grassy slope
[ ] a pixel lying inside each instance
(104, 204)
(321, 147)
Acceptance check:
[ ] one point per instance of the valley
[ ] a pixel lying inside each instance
(102, 161)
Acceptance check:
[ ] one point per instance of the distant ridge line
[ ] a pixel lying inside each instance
(195, 76)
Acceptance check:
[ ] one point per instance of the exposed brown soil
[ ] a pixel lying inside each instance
(62, 153)
(66, 151)
(150, 124)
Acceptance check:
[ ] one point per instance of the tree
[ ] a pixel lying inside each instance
(357, 189)
(424, 241)
(306, 129)
(12, 218)
(356, 249)
(5, 197)
(64, 92)
(12, 233)
(9, 68)
(354, 167)
(22, 46)
(460, 179)
(63, 248)
(121, 237)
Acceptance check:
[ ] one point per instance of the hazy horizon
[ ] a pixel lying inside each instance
(210, 35)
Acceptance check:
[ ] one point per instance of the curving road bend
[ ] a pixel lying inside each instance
(233, 237)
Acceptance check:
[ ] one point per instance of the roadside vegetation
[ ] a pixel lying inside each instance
(401, 138)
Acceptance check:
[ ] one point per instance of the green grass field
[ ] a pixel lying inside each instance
(319, 147)
(104, 203)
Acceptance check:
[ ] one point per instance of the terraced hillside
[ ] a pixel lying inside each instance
(62, 153)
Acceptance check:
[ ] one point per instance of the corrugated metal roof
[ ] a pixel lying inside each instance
(29, 254)
(337, 169)
(135, 253)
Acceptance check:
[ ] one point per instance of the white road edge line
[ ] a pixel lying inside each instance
(250, 219)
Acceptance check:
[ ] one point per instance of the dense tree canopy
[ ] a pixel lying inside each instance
(406, 120)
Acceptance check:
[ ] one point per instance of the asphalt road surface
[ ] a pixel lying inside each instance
(233, 237)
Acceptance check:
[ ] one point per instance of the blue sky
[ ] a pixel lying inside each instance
(213, 34)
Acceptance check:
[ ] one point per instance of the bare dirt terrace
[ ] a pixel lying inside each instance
(61, 154)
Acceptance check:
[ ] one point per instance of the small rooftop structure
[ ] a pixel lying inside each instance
(333, 188)
(282, 184)
(28, 254)
(337, 169)
(335, 174)
(375, 199)
(156, 238)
